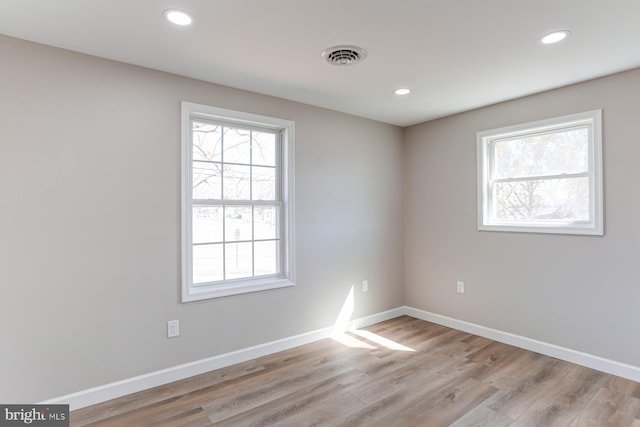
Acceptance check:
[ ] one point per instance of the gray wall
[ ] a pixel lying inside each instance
(574, 291)
(89, 223)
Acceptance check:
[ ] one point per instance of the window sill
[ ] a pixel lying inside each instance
(589, 230)
(198, 293)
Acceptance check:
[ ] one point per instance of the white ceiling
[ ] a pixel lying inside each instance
(454, 55)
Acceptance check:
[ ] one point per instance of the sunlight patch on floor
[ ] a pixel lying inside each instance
(351, 341)
(380, 340)
(345, 335)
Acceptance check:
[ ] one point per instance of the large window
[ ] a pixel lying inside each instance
(543, 177)
(237, 213)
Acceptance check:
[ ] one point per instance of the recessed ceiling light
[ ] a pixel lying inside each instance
(402, 91)
(177, 17)
(554, 37)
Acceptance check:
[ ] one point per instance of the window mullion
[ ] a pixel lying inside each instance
(253, 240)
(224, 242)
(542, 177)
(216, 202)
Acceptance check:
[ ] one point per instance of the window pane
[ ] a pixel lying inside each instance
(550, 154)
(237, 145)
(266, 258)
(207, 142)
(207, 263)
(239, 260)
(206, 181)
(238, 224)
(543, 200)
(237, 180)
(265, 222)
(207, 224)
(264, 183)
(264, 149)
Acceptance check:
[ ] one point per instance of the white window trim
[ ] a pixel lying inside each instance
(596, 211)
(238, 286)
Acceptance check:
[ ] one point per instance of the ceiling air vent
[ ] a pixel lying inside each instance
(344, 55)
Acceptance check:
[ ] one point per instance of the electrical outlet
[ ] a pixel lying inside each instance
(173, 328)
(460, 287)
(365, 286)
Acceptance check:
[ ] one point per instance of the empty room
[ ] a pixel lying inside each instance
(408, 213)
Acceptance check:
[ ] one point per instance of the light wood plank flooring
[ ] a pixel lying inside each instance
(402, 372)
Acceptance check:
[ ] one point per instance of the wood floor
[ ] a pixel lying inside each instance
(402, 372)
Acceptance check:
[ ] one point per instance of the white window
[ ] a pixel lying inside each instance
(237, 202)
(542, 177)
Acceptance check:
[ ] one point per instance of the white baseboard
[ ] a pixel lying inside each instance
(117, 389)
(595, 362)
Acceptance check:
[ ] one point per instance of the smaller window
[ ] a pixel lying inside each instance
(542, 177)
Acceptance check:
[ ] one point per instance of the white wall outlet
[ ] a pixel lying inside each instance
(365, 286)
(460, 287)
(173, 328)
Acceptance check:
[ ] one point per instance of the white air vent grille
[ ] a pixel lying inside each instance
(344, 55)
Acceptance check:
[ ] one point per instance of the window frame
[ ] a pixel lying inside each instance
(592, 120)
(285, 190)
